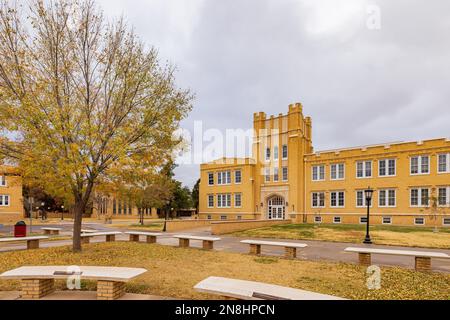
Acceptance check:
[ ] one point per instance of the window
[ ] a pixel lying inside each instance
(210, 201)
(275, 174)
(362, 220)
(419, 221)
(444, 163)
(223, 217)
(318, 173)
(387, 220)
(4, 200)
(210, 178)
(336, 219)
(364, 169)
(419, 197)
(420, 165)
(337, 199)
(224, 200)
(237, 200)
(361, 201)
(237, 176)
(446, 221)
(317, 219)
(318, 200)
(224, 177)
(443, 196)
(337, 171)
(275, 153)
(387, 198)
(267, 154)
(267, 174)
(284, 151)
(239, 217)
(284, 171)
(209, 217)
(387, 167)
(2, 181)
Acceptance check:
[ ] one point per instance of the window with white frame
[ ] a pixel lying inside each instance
(275, 174)
(317, 219)
(318, 199)
(2, 181)
(209, 217)
(387, 220)
(364, 169)
(318, 173)
(224, 177)
(419, 197)
(267, 174)
(387, 198)
(337, 219)
(337, 171)
(361, 200)
(284, 151)
(237, 200)
(275, 153)
(210, 178)
(224, 200)
(267, 154)
(237, 176)
(444, 163)
(362, 220)
(446, 221)
(210, 201)
(239, 217)
(4, 200)
(443, 196)
(387, 167)
(284, 172)
(223, 217)
(337, 199)
(420, 165)
(419, 221)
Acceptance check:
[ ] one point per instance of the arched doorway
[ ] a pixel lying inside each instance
(276, 208)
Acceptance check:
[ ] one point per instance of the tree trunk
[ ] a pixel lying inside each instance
(78, 217)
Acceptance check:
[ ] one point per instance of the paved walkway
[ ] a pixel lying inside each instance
(79, 295)
(316, 250)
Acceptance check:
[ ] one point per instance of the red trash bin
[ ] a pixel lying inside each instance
(20, 229)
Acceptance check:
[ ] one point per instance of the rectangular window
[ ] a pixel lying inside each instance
(444, 163)
(362, 220)
(275, 174)
(284, 171)
(446, 221)
(364, 169)
(4, 200)
(275, 153)
(387, 198)
(318, 199)
(419, 221)
(419, 197)
(237, 176)
(284, 151)
(337, 171)
(420, 165)
(336, 219)
(443, 196)
(387, 167)
(387, 220)
(224, 177)
(210, 201)
(224, 200)
(209, 217)
(337, 199)
(210, 178)
(223, 217)
(318, 173)
(267, 154)
(239, 217)
(361, 201)
(237, 200)
(317, 219)
(2, 181)
(267, 175)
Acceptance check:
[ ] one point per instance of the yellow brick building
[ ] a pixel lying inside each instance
(11, 202)
(285, 179)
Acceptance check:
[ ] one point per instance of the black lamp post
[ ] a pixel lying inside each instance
(166, 215)
(62, 212)
(368, 193)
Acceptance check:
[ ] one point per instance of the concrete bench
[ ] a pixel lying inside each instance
(51, 230)
(110, 236)
(151, 236)
(88, 230)
(251, 290)
(208, 242)
(38, 281)
(32, 242)
(290, 248)
(422, 258)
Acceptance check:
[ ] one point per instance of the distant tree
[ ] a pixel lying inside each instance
(84, 100)
(195, 195)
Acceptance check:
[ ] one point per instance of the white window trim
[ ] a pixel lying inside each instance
(318, 172)
(226, 200)
(382, 220)
(282, 174)
(386, 161)
(3, 200)
(443, 221)
(337, 171)
(6, 181)
(360, 220)
(447, 191)
(267, 159)
(420, 205)
(267, 174)
(319, 218)
(387, 198)
(211, 184)
(239, 170)
(236, 194)
(364, 169)
(364, 200)
(448, 163)
(207, 200)
(419, 165)
(340, 219)
(277, 153)
(287, 152)
(318, 200)
(337, 199)
(419, 224)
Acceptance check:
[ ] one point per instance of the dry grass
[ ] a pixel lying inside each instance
(174, 271)
(400, 236)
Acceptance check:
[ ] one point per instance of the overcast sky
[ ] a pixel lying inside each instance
(360, 85)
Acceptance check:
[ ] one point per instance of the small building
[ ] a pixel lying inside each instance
(11, 200)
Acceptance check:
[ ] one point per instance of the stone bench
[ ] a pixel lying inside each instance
(110, 236)
(32, 242)
(290, 248)
(151, 236)
(422, 258)
(208, 242)
(51, 230)
(38, 281)
(251, 290)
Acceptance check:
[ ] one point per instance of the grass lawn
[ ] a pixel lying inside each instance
(390, 235)
(173, 271)
(148, 226)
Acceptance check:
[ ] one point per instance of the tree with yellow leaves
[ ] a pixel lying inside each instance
(82, 100)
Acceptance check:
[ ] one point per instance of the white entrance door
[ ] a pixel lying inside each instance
(276, 208)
